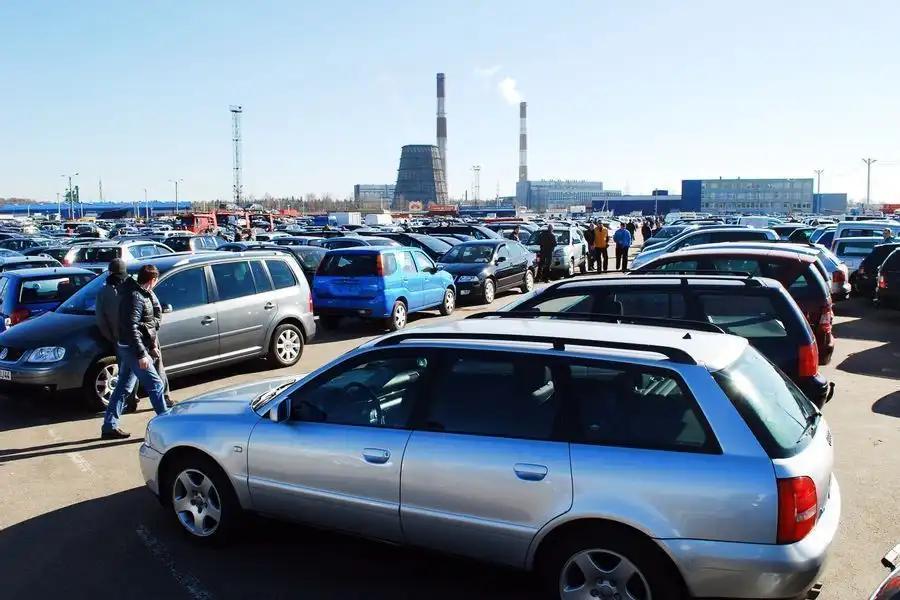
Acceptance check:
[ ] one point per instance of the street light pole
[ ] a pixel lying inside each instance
(176, 182)
(868, 162)
(69, 196)
(146, 206)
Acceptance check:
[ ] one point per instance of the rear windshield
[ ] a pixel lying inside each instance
(772, 406)
(348, 265)
(855, 248)
(179, 243)
(84, 302)
(97, 255)
(55, 289)
(310, 257)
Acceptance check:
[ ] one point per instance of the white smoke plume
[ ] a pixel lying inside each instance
(509, 90)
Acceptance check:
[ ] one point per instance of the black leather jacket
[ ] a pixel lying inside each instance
(137, 322)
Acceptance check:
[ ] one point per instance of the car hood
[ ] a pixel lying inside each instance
(466, 268)
(242, 393)
(46, 329)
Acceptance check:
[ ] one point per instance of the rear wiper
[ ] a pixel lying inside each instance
(811, 421)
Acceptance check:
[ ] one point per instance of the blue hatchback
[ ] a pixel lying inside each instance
(385, 283)
(27, 293)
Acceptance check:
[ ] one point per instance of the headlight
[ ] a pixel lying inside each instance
(47, 354)
(467, 279)
(559, 251)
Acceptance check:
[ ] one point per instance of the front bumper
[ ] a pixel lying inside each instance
(735, 570)
(63, 375)
(469, 289)
(149, 460)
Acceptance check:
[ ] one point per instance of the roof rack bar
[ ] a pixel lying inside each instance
(604, 318)
(673, 354)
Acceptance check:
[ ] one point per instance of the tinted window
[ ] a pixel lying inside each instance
(422, 261)
(893, 262)
(855, 249)
(504, 252)
(622, 407)
(179, 244)
(233, 280)
(647, 303)
(746, 316)
(183, 289)
(769, 402)
(677, 265)
(56, 289)
(282, 276)
(741, 265)
(260, 278)
(98, 255)
(506, 396)
(371, 391)
(469, 253)
(700, 238)
(575, 303)
(348, 265)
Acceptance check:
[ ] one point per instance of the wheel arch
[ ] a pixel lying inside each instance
(289, 320)
(179, 452)
(551, 533)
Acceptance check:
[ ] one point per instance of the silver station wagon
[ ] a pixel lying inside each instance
(616, 461)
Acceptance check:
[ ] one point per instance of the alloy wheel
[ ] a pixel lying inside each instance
(529, 281)
(106, 381)
(288, 346)
(197, 503)
(449, 301)
(488, 291)
(400, 316)
(599, 573)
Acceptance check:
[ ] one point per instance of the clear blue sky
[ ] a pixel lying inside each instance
(639, 95)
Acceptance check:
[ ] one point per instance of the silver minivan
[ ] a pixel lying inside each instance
(616, 461)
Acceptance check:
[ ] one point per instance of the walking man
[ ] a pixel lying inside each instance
(646, 232)
(622, 238)
(547, 242)
(135, 320)
(601, 246)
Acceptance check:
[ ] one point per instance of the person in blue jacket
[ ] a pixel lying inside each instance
(623, 242)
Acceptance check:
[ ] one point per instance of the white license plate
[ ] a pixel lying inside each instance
(5, 375)
(464, 292)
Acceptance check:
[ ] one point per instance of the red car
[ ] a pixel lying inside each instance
(799, 274)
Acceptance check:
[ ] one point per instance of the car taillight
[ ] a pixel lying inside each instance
(808, 360)
(825, 319)
(379, 266)
(882, 282)
(19, 315)
(797, 508)
(841, 277)
(310, 302)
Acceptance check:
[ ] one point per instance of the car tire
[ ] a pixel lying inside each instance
(286, 345)
(102, 375)
(449, 303)
(329, 323)
(528, 284)
(210, 511)
(583, 267)
(602, 552)
(399, 316)
(489, 292)
(571, 270)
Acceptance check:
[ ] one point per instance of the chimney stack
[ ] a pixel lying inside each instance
(441, 123)
(523, 144)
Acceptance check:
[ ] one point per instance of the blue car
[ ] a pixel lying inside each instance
(383, 283)
(27, 293)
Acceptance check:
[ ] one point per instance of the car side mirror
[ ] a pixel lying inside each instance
(280, 411)
(501, 259)
(167, 308)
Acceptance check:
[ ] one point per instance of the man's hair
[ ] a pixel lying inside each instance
(147, 274)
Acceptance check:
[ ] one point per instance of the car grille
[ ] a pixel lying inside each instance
(8, 354)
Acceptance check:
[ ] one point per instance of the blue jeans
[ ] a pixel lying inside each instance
(129, 374)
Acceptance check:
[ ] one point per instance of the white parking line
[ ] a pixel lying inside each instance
(190, 583)
(76, 457)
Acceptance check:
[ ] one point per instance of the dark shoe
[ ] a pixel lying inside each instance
(114, 434)
(169, 402)
(130, 407)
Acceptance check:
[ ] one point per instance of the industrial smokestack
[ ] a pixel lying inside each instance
(441, 122)
(523, 144)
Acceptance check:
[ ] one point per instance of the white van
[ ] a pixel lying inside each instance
(846, 229)
(760, 222)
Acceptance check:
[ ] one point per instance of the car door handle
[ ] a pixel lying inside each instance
(527, 472)
(269, 306)
(207, 320)
(376, 456)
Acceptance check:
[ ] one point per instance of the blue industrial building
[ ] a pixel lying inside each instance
(93, 209)
(830, 204)
(647, 205)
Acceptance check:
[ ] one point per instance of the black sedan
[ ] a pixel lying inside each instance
(483, 268)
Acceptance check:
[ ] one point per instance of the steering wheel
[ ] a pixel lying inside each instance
(373, 399)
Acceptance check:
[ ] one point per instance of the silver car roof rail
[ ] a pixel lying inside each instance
(673, 354)
(604, 318)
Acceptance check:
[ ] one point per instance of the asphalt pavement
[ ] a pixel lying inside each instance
(76, 521)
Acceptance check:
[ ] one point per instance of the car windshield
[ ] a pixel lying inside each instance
(862, 248)
(310, 256)
(470, 253)
(84, 301)
(52, 289)
(773, 407)
(668, 232)
(179, 243)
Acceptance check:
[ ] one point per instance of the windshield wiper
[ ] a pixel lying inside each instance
(811, 420)
(268, 395)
